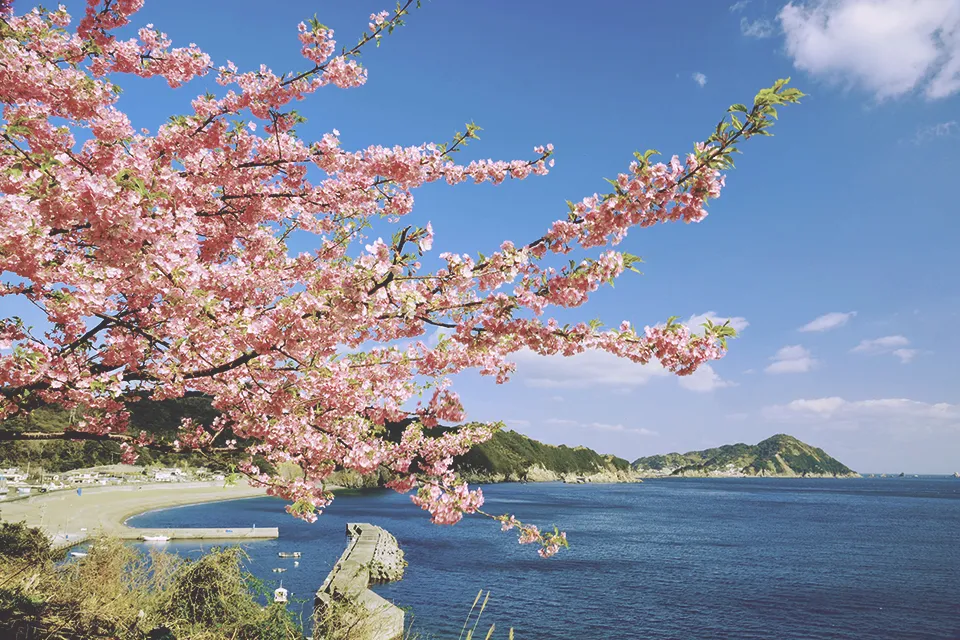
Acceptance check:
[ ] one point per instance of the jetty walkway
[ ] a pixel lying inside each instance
(345, 599)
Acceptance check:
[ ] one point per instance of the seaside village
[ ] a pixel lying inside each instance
(17, 481)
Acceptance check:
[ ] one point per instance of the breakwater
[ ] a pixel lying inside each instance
(345, 599)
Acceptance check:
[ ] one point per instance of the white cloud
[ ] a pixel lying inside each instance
(737, 322)
(599, 426)
(602, 369)
(738, 6)
(828, 321)
(879, 345)
(938, 130)
(895, 345)
(759, 28)
(905, 355)
(819, 406)
(791, 359)
(704, 379)
(603, 426)
(587, 369)
(888, 47)
(888, 413)
(699, 78)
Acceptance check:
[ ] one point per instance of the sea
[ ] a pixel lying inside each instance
(790, 559)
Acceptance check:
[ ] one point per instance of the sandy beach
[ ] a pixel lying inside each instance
(105, 509)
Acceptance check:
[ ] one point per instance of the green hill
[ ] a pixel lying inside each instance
(159, 418)
(511, 456)
(780, 455)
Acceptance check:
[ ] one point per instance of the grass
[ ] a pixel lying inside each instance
(119, 592)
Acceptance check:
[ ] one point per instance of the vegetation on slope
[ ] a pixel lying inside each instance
(158, 418)
(778, 455)
(118, 592)
(511, 454)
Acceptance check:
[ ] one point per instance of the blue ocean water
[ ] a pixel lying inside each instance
(674, 558)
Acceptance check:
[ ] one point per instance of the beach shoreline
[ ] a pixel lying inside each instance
(67, 515)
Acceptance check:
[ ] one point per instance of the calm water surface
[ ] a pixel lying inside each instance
(677, 558)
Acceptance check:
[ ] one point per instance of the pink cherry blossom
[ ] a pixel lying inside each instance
(162, 267)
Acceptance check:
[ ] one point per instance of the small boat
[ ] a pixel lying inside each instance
(156, 538)
(279, 570)
(280, 595)
(289, 554)
(296, 563)
(78, 554)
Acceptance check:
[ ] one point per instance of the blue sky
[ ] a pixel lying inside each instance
(849, 210)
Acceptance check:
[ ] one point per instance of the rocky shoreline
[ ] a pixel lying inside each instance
(537, 473)
(685, 473)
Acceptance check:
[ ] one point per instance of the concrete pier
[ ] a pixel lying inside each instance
(345, 600)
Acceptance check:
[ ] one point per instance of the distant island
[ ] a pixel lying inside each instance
(780, 456)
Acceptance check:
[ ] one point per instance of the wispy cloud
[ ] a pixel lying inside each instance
(704, 379)
(603, 426)
(828, 321)
(736, 7)
(880, 345)
(892, 413)
(584, 370)
(896, 345)
(699, 78)
(759, 28)
(737, 322)
(791, 359)
(905, 355)
(888, 47)
(600, 426)
(939, 130)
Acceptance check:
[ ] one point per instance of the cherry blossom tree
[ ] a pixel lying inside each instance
(161, 262)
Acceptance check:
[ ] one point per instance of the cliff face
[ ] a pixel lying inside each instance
(779, 456)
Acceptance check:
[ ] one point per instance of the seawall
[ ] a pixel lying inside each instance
(345, 601)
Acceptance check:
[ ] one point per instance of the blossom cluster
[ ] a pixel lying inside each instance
(161, 263)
